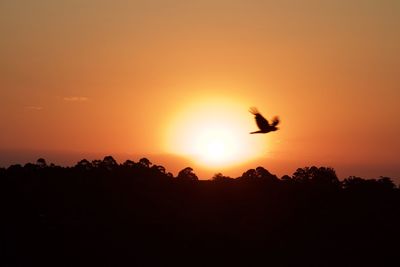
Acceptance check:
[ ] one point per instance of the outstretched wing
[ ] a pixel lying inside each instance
(262, 122)
(275, 121)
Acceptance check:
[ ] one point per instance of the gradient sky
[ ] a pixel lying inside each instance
(96, 77)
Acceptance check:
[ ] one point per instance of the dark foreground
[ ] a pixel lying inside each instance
(135, 214)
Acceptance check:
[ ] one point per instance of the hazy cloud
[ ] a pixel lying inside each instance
(34, 107)
(75, 98)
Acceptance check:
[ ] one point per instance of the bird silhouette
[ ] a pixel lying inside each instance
(263, 123)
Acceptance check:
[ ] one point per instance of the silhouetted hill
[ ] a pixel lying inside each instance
(102, 213)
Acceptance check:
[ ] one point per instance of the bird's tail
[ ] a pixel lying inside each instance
(256, 132)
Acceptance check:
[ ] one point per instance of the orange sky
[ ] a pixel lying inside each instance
(98, 77)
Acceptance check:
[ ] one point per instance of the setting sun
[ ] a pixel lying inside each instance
(216, 145)
(215, 133)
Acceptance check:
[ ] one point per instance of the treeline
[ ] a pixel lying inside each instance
(145, 169)
(102, 213)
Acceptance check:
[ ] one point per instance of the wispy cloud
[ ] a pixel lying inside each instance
(75, 98)
(34, 108)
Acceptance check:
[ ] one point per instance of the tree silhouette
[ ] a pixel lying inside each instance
(145, 162)
(352, 182)
(187, 174)
(386, 183)
(250, 174)
(320, 176)
(109, 163)
(41, 163)
(97, 163)
(84, 165)
(30, 166)
(264, 174)
(108, 214)
(159, 168)
(128, 163)
(357, 183)
(219, 177)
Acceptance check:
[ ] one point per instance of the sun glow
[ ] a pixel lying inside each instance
(215, 134)
(216, 145)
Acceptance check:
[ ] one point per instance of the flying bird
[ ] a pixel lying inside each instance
(263, 123)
